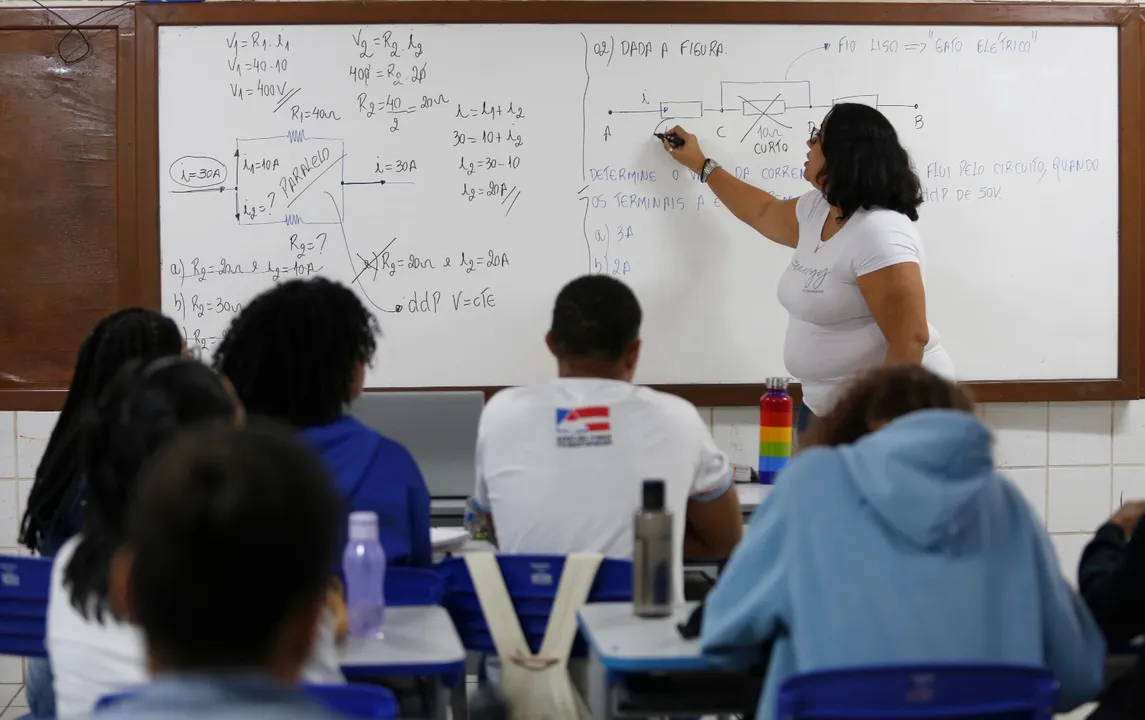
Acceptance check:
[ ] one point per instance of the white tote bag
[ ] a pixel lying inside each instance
(537, 687)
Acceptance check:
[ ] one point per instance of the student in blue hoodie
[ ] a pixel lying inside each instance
(298, 353)
(895, 540)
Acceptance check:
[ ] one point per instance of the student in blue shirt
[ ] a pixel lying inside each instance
(224, 568)
(298, 353)
(893, 539)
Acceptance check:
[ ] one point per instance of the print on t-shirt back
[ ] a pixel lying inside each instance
(584, 427)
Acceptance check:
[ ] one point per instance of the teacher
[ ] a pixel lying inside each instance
(853, 291)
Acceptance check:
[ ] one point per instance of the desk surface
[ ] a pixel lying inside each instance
(626, 643)
(418, 640)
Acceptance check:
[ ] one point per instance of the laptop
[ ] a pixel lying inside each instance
(438, 428)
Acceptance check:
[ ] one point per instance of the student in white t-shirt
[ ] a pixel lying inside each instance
(854, 287)
(560, 465)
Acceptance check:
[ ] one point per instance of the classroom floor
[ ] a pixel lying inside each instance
(13, 702)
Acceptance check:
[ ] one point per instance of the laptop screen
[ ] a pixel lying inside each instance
(438, 428)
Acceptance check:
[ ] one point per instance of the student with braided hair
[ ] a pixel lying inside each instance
(53, 514)
(55, 504)
(95, 650)
(298, 354)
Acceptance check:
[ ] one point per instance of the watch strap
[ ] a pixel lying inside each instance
(709, 167)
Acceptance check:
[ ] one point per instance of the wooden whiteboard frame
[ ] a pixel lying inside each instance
(1126, 18)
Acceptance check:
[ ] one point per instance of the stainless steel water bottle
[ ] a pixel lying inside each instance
(652, 567)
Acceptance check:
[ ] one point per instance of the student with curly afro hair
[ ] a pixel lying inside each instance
(298, 353)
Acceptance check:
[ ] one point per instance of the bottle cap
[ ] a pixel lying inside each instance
(777, 383)
(653, 495)
(364, 525)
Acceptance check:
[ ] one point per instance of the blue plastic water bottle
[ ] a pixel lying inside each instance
(364, 566)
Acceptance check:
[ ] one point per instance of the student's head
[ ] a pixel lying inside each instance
(298, 352)
(596, 329)
(119, 337)
(228, 551)
(856, 160)
(881, 396)
(141, 410)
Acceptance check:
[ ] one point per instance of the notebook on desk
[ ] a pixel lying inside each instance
(438, 428)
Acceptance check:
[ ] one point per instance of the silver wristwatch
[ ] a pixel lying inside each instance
(709, 168)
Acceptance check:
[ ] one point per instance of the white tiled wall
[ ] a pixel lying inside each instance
(12, 509)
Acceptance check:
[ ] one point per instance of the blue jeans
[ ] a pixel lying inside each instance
(38, 688)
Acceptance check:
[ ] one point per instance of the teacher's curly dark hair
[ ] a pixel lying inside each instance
(865, 166)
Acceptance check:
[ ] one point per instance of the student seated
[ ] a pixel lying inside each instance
(1111, 577)
(224, 568)
(93, 650)
(298, 354)
(892, 539)
(55, 504)
(560, 465)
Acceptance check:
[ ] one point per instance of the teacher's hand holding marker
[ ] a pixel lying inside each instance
(853, 290)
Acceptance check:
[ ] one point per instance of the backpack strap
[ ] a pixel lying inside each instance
(500, 615)
(576, 583)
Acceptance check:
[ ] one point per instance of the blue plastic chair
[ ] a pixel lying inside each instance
(368, 702)
(406, 586)
(24, 587)
(532, 582)
(920, 692)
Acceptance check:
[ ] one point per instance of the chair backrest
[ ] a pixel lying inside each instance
(368, 702)
(920, 692)
(406, 586)
(24, 587)
(532, 582)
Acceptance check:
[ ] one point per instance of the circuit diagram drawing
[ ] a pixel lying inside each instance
(753, 102)
(290, 180)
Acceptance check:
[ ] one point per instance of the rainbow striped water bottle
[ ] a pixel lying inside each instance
(774, 430)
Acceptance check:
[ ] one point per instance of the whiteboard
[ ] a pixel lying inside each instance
(458, 175)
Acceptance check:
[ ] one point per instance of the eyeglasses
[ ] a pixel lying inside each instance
(816, 134)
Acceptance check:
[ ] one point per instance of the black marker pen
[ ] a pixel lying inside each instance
(673, 140)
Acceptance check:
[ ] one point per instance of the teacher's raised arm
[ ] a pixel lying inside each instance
(854, 287)
(768, 215)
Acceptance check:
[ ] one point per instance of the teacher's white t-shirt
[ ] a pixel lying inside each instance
(831, 334)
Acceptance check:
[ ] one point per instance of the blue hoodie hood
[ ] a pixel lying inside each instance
(905, 547)
(924, 473)
(377, 474)
(348, 448)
